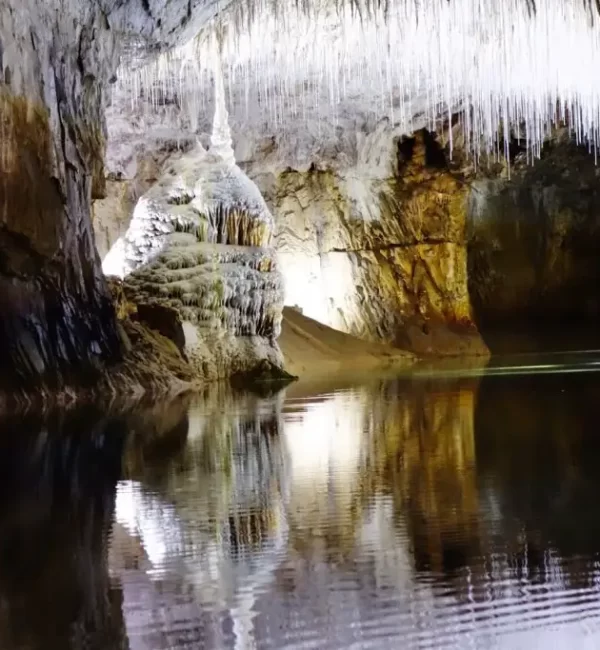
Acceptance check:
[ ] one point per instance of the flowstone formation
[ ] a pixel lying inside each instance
(198, 264)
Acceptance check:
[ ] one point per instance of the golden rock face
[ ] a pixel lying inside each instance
(31, 203)
(397, 274)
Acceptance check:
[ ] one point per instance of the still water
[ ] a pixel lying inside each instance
(451, 508)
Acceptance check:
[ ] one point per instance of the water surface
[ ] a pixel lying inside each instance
(449, 508)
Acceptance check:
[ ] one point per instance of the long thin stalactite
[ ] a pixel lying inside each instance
(509, 68)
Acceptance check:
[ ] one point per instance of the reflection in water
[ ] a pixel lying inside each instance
(209, 527)
(57, 485)
(416, 512)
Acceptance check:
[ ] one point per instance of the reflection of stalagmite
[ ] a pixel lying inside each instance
(210, 521)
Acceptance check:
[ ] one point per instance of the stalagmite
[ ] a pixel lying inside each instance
(198, 244)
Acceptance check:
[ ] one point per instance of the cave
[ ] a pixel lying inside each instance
(299, 323)
(428, 229)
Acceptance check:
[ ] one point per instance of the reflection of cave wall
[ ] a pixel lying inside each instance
(405, 445)
(534, 240)
(537, 453)
(57, 482)
(425, 458)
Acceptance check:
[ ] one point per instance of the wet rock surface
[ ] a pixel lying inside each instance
(57, 319)
(534, 239)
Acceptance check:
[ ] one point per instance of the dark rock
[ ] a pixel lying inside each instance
(534, 240)
(165, 320)
(263, 372)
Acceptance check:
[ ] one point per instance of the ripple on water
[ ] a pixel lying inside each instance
(417, 512)
(396, 512)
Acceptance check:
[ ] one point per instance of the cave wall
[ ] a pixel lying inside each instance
(376, 246)
(55, 309)
(534, 239)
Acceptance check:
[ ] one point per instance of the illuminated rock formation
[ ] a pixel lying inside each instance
(198, 242)
(377, 247)
(331, 66)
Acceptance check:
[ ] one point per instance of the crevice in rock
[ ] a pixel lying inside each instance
(434, 154)
(390, 246)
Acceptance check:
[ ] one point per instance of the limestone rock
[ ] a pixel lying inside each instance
(382, 257)
(198, 244)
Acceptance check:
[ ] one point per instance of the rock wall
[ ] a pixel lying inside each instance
(534, 239)
(376, 246)
(55, 310)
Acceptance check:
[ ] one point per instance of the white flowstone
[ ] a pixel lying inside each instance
(199, 242)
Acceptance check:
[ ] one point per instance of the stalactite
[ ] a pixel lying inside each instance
(220, 141)
(508, 67)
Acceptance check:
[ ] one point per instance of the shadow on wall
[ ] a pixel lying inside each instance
(533, 246)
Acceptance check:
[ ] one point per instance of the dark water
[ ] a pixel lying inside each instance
(448, 509)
